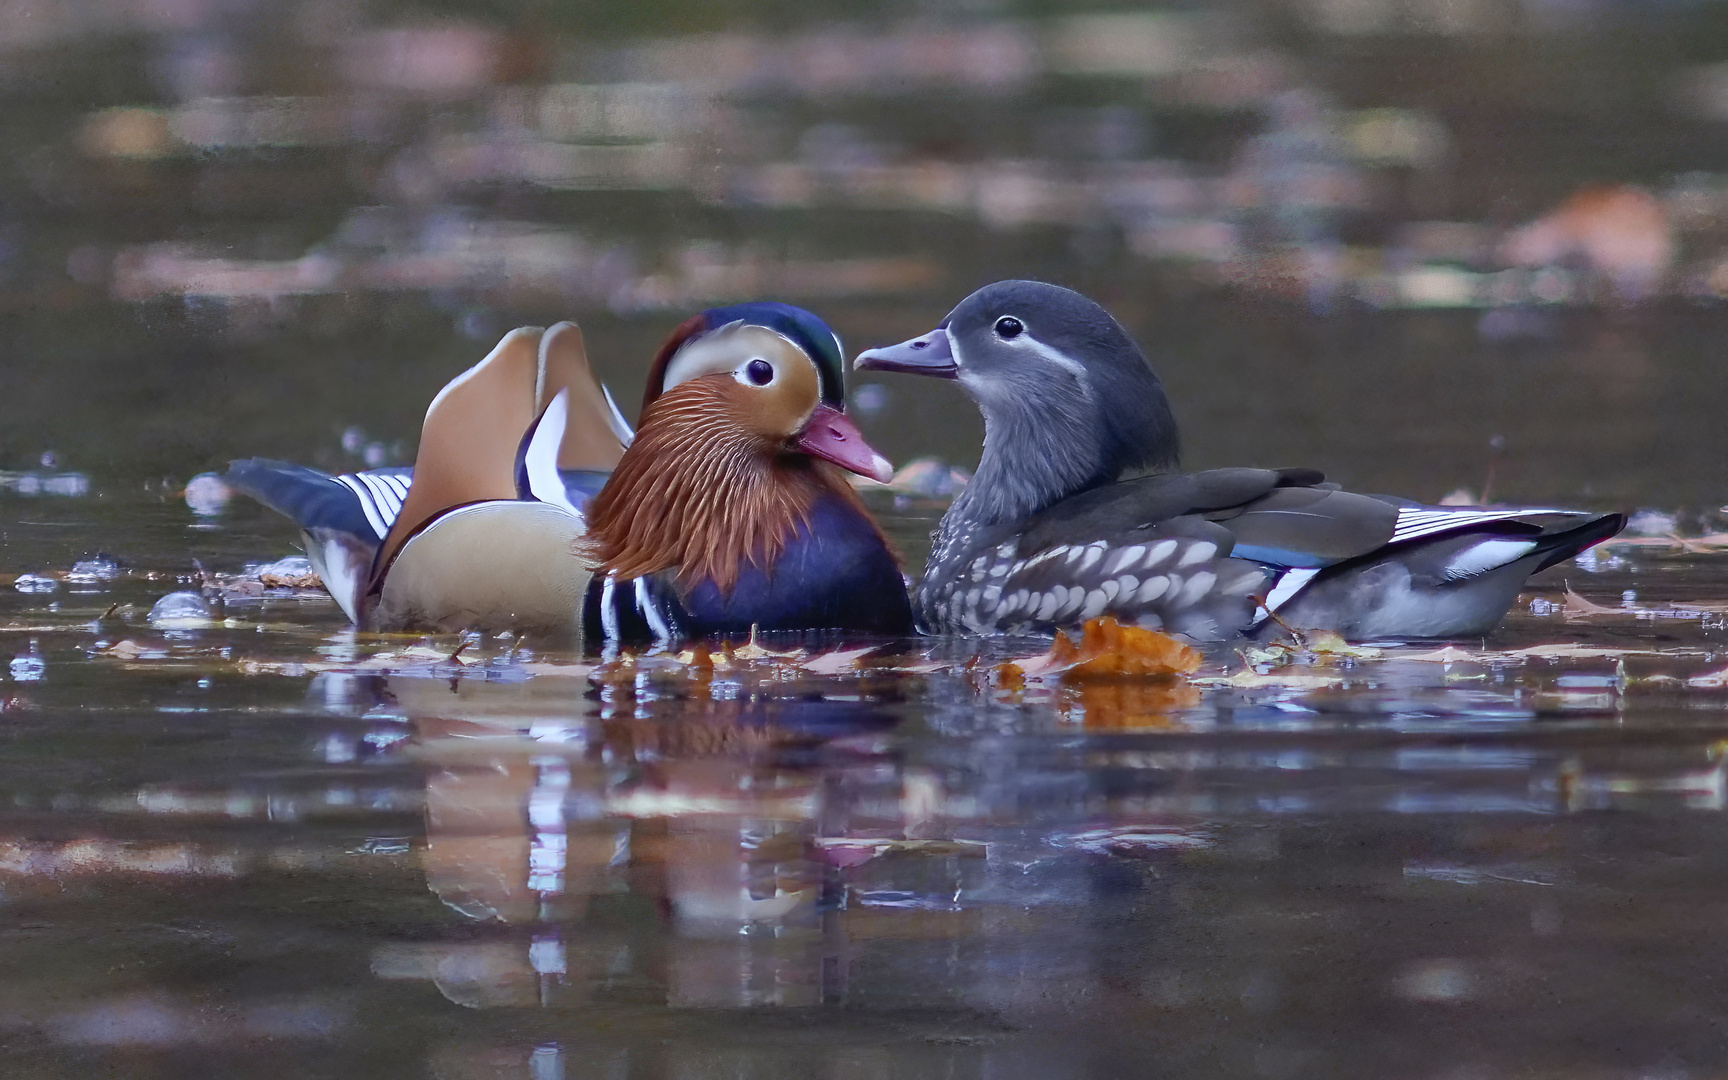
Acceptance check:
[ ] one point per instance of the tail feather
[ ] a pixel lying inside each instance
(1557, 547)
(312, 499)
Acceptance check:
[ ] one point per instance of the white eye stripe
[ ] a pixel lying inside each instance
(717, 352)
(1026, 341)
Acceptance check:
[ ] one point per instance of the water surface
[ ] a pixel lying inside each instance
(259, 848)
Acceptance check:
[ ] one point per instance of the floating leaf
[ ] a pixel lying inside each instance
(1331, 643)
(1276, 680)
(558, 671)
(698, 658)
(754, 650)
(128, 649)
(1271, 653)
(1106, 650)
(1579, 608)
(839, 662)
(1573, 651)
(1448, 654)
(1696, 545)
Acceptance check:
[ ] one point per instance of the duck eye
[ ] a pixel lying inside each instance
(1008, 327)
(760, 372)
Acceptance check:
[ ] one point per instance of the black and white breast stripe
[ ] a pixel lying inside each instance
(380, 496)
(637, 611)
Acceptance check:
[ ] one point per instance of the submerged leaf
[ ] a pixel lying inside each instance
(1130, 704)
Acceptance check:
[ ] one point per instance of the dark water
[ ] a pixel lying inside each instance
(267, 847)
(247, 850)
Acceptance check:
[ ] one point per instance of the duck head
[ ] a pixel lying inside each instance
(1067, 397)
(739, 431)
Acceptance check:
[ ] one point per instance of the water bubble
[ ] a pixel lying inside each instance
(69, 484)
(29, 666)
(207, 494)
(375, 455)
(35, 583)
(871, 398)
(181, 610)
(1653, 523)
(50, 459)
(352, 440)
(88, 571)
(289, 567)
(475, 326)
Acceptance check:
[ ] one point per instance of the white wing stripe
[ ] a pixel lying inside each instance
(389, 505)
(1288, 585)
(367, 504)
(1414, 523)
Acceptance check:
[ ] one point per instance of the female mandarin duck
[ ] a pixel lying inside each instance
(531, 500)
(1048, 534)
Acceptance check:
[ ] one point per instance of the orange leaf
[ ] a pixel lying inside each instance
(1108, 650)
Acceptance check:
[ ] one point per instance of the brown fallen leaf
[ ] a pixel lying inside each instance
(1696, 545)
(754, 650)
(422, 654)
(558, 671)
(1448, 654)
(1332, 643)
(839, 662)
(291, 581)
(1699, 607)
(1579, 608)
(1106, 650)
(1276, 680)
(127, 649)
(1573, 651)
(698, 659)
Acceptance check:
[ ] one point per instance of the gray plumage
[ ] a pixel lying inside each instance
(1048, 534)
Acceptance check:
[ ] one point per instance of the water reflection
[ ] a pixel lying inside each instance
(926, 871)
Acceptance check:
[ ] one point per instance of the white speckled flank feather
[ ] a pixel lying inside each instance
(1174, 583)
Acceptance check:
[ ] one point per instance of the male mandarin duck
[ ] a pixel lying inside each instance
(1049, 533)
(531, 500)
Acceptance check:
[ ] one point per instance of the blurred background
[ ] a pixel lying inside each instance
(1424, 245)
(1416, 243)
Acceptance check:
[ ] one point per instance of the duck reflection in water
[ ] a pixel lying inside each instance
(601, 835)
